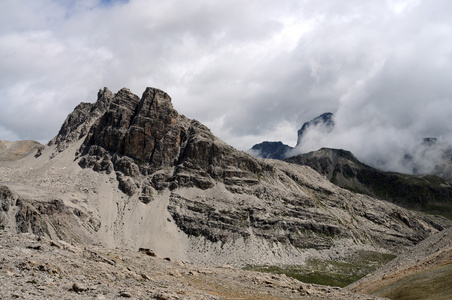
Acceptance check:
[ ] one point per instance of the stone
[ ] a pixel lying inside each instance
(147, 252)
(125, 294)
(79, 287)
(175, 272)
(145, 276)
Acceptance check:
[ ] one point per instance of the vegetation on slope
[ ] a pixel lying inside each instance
(331, 272)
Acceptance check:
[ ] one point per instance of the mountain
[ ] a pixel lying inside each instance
(324, 121)
(278, 150)
(274, 150)
(426, 193)
(430, 156)
(130, 172)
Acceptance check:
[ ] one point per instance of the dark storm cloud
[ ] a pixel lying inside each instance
(251, 71)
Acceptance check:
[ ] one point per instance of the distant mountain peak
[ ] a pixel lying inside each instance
(274, 150)
(278, 150)
(325, 121)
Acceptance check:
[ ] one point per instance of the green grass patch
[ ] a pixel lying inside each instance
(328, 272)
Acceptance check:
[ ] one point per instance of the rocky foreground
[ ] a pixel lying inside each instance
(35, 267)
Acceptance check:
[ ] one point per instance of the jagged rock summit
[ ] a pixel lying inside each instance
(149, 145)
(325, 121)
(278, 150)
(131, 172)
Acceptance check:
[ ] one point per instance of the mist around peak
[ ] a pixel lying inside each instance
(383, 147)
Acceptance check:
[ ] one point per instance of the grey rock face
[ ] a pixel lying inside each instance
(151, 147)
(312, 217)
(78, 123)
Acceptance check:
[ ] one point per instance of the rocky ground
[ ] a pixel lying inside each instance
(34, 267)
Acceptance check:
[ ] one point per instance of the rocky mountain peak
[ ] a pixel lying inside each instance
(135, 127)
(148, 144)
(325, 121)
(278, 150)
(78, 123)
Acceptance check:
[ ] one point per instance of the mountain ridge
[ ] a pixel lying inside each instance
(278, 150)
(426, 193)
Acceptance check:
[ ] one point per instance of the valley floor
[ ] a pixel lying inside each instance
(37, 268)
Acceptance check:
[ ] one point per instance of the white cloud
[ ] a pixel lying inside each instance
(253, 70)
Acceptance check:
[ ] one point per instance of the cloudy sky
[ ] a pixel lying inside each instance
(250, 70)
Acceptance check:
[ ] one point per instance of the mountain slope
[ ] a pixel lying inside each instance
(129, 171)
(426, 193)
(11, 151)
(422, 272)
(49, 269)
